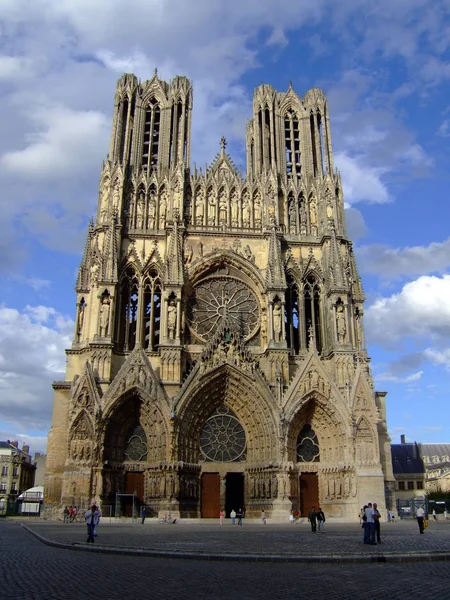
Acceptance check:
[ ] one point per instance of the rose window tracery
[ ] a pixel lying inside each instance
(136, 445)
(307, 445)
(223, 438)
(223, 298)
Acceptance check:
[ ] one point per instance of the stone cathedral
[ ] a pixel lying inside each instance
(218, 358)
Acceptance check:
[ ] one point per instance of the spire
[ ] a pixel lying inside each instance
(174, 272)
(275, 276)
(82, 284)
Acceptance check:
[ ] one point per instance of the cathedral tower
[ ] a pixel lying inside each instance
(218, 357)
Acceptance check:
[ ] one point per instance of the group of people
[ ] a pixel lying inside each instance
(316, 519)
(235, 515)
(70, 514)
(370, 517)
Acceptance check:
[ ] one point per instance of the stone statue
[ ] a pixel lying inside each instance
(341, 327)
(234, 210)
(277, 321)
(116, 195)
(257, 209)
(188, 254)
(291, 218)
(105, 310)
(246, 213)
(171, 319)
(313, 211)
(211, 208)
(104, 200)
(303, 217)
(222, 207)
(140, 210)
(199, 207)
(176, 196)
(152, 212)
(163, 210)
(81, 318)
(94, 274)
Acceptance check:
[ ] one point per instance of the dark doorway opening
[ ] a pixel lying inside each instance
(234, 494)
(309, 492)
(134, 484)
(210, 495)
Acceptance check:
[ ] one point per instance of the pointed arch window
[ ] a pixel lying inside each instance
(123, 108)
(152, 310)
(222, 438)
(292, 144)
(313, 324)
(321, 141)
(128, 311)
(308, 445)
(292, 315)
(152, 125)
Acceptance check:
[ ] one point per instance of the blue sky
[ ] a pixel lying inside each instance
(385, 68)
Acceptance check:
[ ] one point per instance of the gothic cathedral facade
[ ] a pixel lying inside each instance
(218, 358)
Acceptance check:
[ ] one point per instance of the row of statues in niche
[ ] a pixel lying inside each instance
(172, 486)
(338, 485)
(264, 485)
(104, 318)
(303, 214)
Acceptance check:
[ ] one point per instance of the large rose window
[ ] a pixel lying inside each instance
(216, 299)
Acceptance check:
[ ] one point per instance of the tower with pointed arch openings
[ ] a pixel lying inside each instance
(218, 358)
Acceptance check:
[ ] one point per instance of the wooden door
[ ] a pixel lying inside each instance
(309, 492)
(210, 495)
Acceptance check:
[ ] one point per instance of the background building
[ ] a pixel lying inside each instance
(16, 472)
(409, 471)
(436, 458)
(219, 357)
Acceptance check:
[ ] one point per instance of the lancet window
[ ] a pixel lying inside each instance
(292, 144)
(312, 306)
(151, 135)
(128, 311)
(123, 118)
(313, 142)
(152, 310)
(176, 129)
(292, 315)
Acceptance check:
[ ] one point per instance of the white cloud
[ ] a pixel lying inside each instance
(14, 67)
(420, 310)
(390, 263)
(361, 182)
(65, 140)
(32, 344)
(444, 128)
(438, 357)
(396, 379)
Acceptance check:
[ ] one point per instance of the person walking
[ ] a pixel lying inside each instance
(377, 517)
(320, 520)
(66, 514)
(369, 530)
(221, 516)
(74, 514)
(143, 514)
(434, 515)
(263, 517)
(92, 517)
(420, 515)
(312, 518)
(241, 515)
(233, 516)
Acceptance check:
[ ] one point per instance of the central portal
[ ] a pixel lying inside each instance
(234, 494)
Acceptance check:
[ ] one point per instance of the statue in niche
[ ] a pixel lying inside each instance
(81, 318)
(177, 196)
(94, 274)
(105, 310)
(257, 209)
(303, 217)
(291, 218)
(246, 211)
(271, 206)
(277, 321)
(329, 201)
(263, 329)
(341, 327)
(199, 207)
(211, 208)
(188, 254)
(222, 207)
(314, 379)
(152, 211)
(140, 210)
(313, 211)
(116, 196)
(171, 319)
(129, 207)
(234, 209)
(163, 210)
(104, 201)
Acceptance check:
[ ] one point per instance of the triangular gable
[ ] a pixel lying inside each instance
(136, 373)
(153, 258)
(312, 377)
(312, 266)
(362, 399)
(84, 393)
